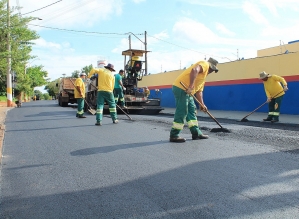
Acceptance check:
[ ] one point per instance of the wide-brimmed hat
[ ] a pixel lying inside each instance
(263, 75)
(110, 67)
(213, 64)
(82, 74)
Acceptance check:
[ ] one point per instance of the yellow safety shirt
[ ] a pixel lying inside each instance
(273, 86)
(199, 80)
(105, 79)
(79, 83)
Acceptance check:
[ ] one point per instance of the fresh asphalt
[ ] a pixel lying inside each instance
(57, 166)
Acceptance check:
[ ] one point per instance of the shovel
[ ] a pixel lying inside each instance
(246, 120)
(91, 110)
(221, 129)
(118, 107)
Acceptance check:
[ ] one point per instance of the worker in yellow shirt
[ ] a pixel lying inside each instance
(147, 91)
(79, 93)
(275, 87)
(194, 78)
(105, 92)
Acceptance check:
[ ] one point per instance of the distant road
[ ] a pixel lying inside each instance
(58, 166)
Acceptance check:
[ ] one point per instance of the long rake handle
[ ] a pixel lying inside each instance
(118, 107)
(202, 106)
(123, 112)
(261, 106)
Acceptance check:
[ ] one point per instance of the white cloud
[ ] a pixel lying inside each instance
(254, 13)
(41, 43)
(224, 30)
(218, 4)
(70, 13)
(189, 29)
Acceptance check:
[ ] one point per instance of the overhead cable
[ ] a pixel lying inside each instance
(79, 31)
(42, 7)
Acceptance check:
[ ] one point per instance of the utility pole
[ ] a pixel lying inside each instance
(145, 48)
(8, 75)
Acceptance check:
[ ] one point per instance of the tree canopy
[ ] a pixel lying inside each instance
(21, 38)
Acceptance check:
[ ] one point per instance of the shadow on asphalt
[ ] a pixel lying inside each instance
(107, 149)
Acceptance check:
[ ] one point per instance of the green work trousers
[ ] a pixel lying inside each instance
(274, 108)
(109, 98)
(119, 95)
(80, 109)
(185, 110)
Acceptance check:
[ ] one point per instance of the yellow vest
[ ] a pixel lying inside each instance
(273, 86)
(199, 80)
(105, 79)
(79, 83)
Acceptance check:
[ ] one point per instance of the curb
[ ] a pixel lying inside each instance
(3, 112)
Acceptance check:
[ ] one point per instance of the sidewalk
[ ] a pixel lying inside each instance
(3, 111)
(238, 115)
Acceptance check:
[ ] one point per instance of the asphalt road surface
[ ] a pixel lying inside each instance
(57, 166)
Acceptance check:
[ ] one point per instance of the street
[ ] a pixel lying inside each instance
(57, 166)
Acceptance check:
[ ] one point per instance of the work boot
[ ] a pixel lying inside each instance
(197, 137)
(98, 123)
(274, 120)
(115, 121)
(177, 139)
(77, 115)
(268, 119)
(81, 117)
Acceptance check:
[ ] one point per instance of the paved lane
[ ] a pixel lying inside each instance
(58, 166)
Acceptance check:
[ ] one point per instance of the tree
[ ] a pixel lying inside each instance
(21, 45)
(75, 74)
(39, 95)
(87, 69)
(36, 76)
(46, 96)
(52, 88)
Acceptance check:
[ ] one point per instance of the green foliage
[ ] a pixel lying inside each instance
(75, 74)
(21, 46)
(36, 76)
(46, 96)
(39, 95)
(87, 69)
(51, 87)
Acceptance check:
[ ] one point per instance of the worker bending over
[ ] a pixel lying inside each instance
(275, 87)
(194, 78)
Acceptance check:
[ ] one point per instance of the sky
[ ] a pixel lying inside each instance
(77, 33)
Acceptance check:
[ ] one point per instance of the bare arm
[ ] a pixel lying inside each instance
(199, 96)
(193, 74)
(79, 89)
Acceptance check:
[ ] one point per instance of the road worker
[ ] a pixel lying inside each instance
(106, 82)
(194, 78)
(146, 91)
(119, 89)
(275, 87)
(79, 93)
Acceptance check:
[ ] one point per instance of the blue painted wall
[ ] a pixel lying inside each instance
(244, 97)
